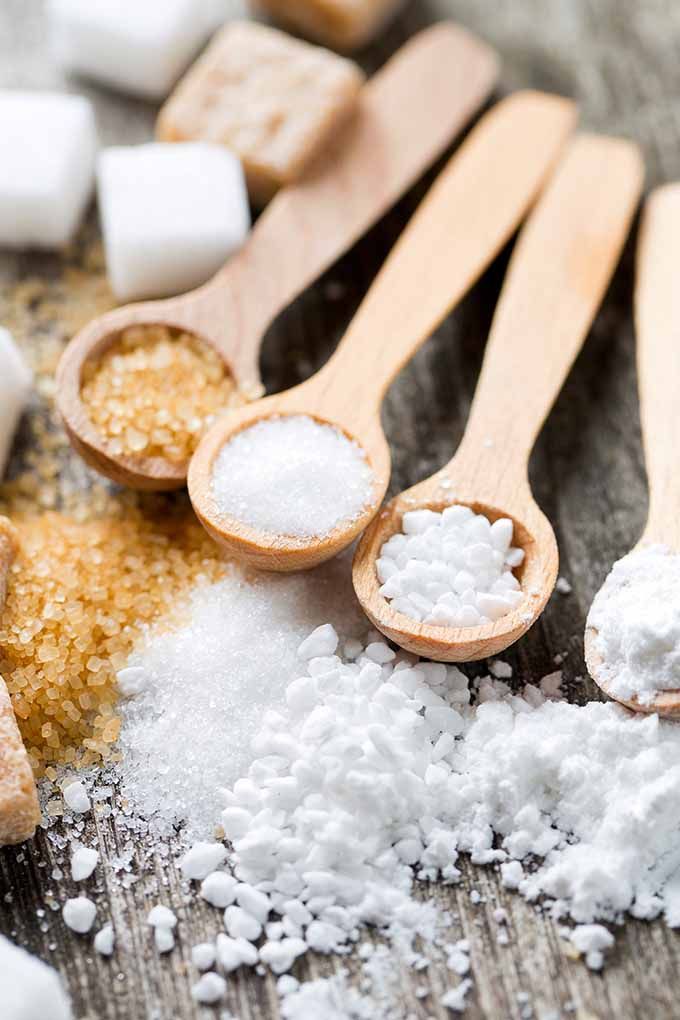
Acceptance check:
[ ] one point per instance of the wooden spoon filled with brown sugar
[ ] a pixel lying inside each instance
(408, 113)
(632, 638)
(289, 481)
(447, 607)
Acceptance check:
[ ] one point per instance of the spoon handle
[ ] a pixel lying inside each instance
(470, 212)
(408, 113)
(557, 277)
(657, 316)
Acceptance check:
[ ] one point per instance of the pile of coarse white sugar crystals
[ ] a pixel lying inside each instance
(371, 771)
(451, 569)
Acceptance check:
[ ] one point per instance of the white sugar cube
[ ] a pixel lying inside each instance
(137, 46)
(16, 382)
(29, 987)
(171, 215)
(48, 144)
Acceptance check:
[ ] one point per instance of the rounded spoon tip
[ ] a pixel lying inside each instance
(665, 703)
(268, 550)
(537, 574)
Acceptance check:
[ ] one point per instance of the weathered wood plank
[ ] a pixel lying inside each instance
(619, 58)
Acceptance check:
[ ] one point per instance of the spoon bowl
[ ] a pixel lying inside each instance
(657, 322)
(537, 574)
(557, 277)
(465, 219)
(397, 132)
(271, 551)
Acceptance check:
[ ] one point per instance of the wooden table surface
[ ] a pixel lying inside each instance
(621, 60)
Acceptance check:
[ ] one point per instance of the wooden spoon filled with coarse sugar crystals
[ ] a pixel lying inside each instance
(289, 481)
(407, 115)
(632, 639)
(435, 571)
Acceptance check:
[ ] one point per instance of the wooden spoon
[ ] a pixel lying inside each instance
(559, 270)
(408, 114)
(657, 317)
(470, 212)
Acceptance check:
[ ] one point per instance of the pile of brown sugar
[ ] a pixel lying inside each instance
(80, 593)
(155, 391)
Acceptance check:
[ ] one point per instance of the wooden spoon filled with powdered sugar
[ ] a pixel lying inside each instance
(632, 638)
(459, 566)
(289, 481)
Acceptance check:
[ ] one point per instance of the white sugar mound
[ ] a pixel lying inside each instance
(451, 569)
(375, 774)
(208, 684)
(636, 615)
(291, 476)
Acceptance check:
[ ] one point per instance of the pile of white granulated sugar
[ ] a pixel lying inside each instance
(636, 615)
(344, 775)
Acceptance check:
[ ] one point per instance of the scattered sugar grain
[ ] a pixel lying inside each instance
(209, 989)
(291, 476)
(592, 941)
(105, 940)
(161, 917)
(219, 889)
(636, 616)
(451, 569)
(83, 862)
(164, 939)
(79, 914)
(76, 797)
(30, 989)
(456, 998)
(563, 586)
(203, 955)
(202, 859)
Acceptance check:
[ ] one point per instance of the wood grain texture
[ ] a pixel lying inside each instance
(462, 223)
(561, 266)
(619, 60)
(406, 116)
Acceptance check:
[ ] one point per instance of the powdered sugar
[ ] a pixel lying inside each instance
(636, 615)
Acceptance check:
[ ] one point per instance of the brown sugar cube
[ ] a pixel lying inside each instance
(19, 810)
(272, 99)
(342, 24)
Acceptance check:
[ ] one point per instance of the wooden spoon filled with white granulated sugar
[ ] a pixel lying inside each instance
(436, 570)
(632, 639)
(407, 115)
(289, 481)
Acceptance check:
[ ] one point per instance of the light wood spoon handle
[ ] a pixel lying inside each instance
(657, 315)
(408, 113)
(556, 280)
(473, 208)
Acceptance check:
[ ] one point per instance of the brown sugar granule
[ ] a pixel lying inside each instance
(79, 596)
(155, 391)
